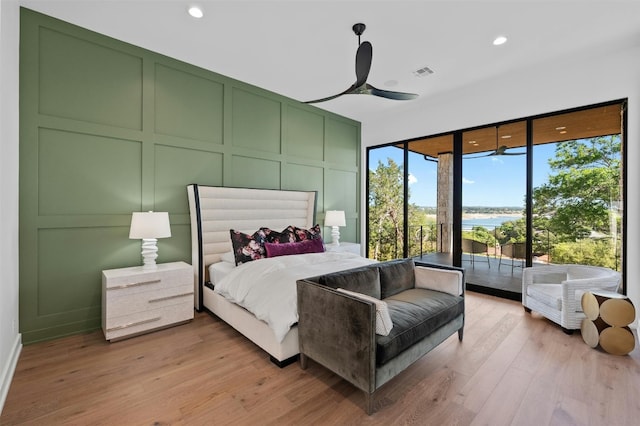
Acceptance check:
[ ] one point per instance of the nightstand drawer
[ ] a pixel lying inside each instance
(125, 304)
(142, 322)
(145, 282)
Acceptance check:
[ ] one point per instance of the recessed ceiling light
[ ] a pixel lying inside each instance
(196, 12)
(505, 137)
(561, 127)
(499, 40)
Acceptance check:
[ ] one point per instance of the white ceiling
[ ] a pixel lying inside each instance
(306, 49)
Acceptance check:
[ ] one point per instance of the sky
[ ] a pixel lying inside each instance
(495, 181)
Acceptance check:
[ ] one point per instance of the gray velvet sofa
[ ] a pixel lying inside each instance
(338, 331)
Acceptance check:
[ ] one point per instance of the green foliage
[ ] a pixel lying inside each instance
(386, 216)
(385, 210)
(480, 234)
(512, 231)
(582, 190)
(586, 252)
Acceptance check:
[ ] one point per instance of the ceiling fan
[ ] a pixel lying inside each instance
(363, 65)
(500, 150)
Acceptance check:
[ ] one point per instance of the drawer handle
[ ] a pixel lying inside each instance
(175, 296)
(120, 287)
(132, 324)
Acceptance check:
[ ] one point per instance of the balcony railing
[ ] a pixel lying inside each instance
(424, 239)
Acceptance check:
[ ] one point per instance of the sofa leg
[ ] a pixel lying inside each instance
(368, 397)
(303, 361)
(527, 310)
(460, 334)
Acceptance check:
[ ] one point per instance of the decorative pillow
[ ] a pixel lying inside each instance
(383, 319)
(248, 247)
(307, 234)
(287, 235)
(285, 249)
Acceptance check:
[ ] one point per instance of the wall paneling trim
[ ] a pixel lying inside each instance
(107, 128)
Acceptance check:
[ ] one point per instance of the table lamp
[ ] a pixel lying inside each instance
(149, 226)
(334, 219)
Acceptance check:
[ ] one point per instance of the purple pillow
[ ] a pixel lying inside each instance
(284, 249)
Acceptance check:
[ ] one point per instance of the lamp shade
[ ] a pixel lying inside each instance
(147, 225)
(334, 218)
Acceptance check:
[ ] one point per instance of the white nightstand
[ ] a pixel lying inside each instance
(137, 300)
(344, 247)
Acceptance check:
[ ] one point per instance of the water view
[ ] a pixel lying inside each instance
(490, 223)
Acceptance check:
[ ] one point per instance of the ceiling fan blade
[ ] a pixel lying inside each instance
(481, 156)
(328, 98)
(399, 96)
(364, 55)
(502, 150)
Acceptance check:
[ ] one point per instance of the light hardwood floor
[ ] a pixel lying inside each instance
(511, 369)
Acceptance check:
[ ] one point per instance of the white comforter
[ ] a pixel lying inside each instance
(267, 287)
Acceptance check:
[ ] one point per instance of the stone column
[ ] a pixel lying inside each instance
(444, 216)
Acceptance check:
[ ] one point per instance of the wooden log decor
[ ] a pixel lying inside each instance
(608, 315)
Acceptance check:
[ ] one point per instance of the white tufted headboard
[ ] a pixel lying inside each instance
(214, 210)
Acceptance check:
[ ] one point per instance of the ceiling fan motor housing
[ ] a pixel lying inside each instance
(359, 28)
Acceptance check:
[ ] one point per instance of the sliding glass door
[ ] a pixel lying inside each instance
(497, 198)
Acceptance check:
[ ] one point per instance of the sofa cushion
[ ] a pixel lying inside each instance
(396, 276)
(415, 313)
(365, 280)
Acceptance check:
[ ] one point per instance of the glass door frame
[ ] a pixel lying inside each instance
(457, 182)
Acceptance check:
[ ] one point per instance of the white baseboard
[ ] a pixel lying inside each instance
(8, 369)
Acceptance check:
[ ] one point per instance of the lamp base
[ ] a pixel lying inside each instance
(335, 236)
(149, 253)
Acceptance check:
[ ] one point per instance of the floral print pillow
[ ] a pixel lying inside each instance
(248, 247)
(307, 234)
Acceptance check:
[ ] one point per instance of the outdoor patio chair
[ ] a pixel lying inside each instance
(475, 247)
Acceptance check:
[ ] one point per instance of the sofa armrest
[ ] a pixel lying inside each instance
(441, 279)
(338, 331)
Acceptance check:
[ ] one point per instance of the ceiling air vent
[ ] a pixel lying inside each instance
(423, 72)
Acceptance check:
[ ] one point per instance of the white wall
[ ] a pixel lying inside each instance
(10, 342)
(597, 76)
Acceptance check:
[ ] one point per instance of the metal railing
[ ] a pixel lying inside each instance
(424, 239)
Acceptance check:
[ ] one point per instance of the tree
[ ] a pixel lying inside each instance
(580, 200)
(385, 210)
(582, 192)
(386, 214)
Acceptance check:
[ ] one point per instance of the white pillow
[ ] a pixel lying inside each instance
(228, 257)
(218, 270)
(383, 319)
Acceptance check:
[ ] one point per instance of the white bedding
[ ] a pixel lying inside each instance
(267, 287)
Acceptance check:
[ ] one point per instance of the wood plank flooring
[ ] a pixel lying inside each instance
(511, 369)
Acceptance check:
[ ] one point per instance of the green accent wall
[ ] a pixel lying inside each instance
(107, 128)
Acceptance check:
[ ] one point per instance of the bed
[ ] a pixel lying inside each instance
(216, 210)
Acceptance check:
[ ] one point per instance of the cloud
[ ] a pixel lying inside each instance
(465, 180)
(412, 179)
